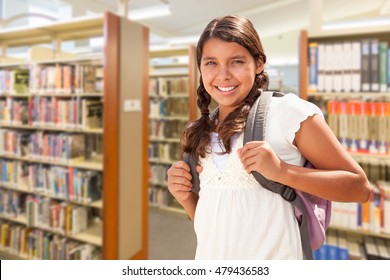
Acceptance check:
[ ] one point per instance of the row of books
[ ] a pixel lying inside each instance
(339, 246)
(161, 129)
(51, 79)
(14, 81)
(377, 248)
(164, 87)
(349, 66)
(159, 197)
(372, 216)
(38, 244)
(361, 126)
(377, 169)
(50, 111)
(60, 217)
(158, 173)
(11, 203)
(167, 152)
(168, 107)
(72, 184)
(60, 147)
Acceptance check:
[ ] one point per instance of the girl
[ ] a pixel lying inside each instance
(234, 217)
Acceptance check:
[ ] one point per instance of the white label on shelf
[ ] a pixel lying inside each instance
(132, 105)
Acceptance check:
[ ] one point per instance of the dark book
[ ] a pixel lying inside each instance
(94, 186)
(366, 65)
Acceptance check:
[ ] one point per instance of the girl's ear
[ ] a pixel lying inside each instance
(259, 66)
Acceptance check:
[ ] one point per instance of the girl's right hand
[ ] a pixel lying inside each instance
(179, 180)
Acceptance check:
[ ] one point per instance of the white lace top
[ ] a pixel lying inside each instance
(236, 218)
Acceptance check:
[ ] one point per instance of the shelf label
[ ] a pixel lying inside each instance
(132, 105)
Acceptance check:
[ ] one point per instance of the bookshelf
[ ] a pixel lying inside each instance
(172, 103)
(346, 73)
(73, 159)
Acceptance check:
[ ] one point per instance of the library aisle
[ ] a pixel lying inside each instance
(171, 236)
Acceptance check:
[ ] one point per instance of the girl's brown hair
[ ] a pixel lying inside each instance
(196, 137)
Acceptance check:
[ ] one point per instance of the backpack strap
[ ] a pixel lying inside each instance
(255, 130)
(192, 163)
(195, 176)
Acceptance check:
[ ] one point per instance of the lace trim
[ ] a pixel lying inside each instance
(233, 175)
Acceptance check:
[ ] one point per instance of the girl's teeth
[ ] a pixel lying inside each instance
(225, 88)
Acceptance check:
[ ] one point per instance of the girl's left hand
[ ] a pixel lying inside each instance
(259, 156)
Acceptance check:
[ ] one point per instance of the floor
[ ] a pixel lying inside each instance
(171, 236)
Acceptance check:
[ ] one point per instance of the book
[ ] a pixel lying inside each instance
(382, 128)
(313, 67)
(21, 79)
(343, 245)
(356, 66)
(321, 67)
(356, 250)
(373, 118)
(92, 113)
(371, 248)
(343, 124)
(353, 126)
(333, 116)
(383, 65)
(93, 188)
(332, 247)
(376, 209)
(337, 58)
(346, 65)
(383, 249)
(384, 189)
(388, 69)
(374, 65)
(363, 126)
(329, 67)
(366, 65)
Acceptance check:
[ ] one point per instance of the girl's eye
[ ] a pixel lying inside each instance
(210, 63)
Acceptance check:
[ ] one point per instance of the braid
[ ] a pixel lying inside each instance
(199, 131)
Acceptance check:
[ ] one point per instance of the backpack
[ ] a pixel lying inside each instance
(312, 212)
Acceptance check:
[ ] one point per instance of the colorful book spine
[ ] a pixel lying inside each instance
(313, 67)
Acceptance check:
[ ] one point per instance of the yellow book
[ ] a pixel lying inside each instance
(69, 210)
(4, 230)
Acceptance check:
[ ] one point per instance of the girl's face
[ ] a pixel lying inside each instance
(228, 73)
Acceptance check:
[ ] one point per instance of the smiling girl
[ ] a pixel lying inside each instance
(234, 217)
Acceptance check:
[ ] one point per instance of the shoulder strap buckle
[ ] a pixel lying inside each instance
(288, 193)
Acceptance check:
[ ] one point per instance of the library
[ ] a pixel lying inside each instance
(95, 97)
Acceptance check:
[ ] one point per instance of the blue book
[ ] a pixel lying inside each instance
(321, 253)
(313, 67)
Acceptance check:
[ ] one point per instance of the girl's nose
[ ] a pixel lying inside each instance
(224, 73)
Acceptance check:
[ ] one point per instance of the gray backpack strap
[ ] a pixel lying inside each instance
(255, 130)
(195, 176)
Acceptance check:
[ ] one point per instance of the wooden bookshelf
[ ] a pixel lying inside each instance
(172, 103)
(378, 161)
(118, 225)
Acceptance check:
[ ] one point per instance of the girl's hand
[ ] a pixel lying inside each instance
(259, 156)
(179, 180)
